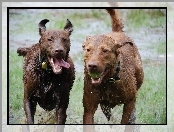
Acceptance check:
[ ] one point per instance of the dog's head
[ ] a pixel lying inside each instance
(56, 45)
(100, 57)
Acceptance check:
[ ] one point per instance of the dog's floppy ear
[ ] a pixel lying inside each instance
(120, 44)
(42, 27)
(84, 43)
(68, 27)
(129, 42)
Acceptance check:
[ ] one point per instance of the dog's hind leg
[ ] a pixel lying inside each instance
(60, 119)
(61, 107)
(132, 117)
(61, 115)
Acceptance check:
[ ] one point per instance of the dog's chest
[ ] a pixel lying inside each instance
(110, 92)
(48, 96)
(49, 91)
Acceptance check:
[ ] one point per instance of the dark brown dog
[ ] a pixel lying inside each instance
(48, 72)
(113, 73)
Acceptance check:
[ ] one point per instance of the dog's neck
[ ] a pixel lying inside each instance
(115, 78)
(43, 59)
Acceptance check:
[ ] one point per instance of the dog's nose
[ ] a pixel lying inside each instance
(92, 66)
(59, 50)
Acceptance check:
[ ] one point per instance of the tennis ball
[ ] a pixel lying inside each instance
(95, 75)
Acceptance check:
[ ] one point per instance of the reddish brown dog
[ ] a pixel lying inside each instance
(113, 73)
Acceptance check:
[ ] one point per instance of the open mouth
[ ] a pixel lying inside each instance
(57, 64)
(96, 78)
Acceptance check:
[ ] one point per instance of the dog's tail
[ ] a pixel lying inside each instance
(22, 51)
(117, 25)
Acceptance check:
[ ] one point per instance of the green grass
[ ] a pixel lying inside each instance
(57, 20)
(159, 47)
(15, 85)
(78, 57)
(75, 108)
(134, 20)
(91, 13)
(24, 22)
(145, 18)
(15, 75)
(151, 99)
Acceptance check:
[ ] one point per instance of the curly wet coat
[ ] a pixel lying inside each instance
(48, 72)
(115, 57)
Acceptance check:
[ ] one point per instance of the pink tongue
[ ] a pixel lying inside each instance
(61, 63)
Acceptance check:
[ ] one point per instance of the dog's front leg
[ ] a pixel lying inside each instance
(61, 115)
(60, 119)
(30, 108)
(128, 116)
(89, 109)
(90, 103)
(88, 117)
(61, 106)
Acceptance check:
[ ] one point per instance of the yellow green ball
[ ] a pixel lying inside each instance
(95, 75)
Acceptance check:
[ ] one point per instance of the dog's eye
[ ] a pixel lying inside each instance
(63, 39)
(105, 50)
(87, 50)
(49, 39)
